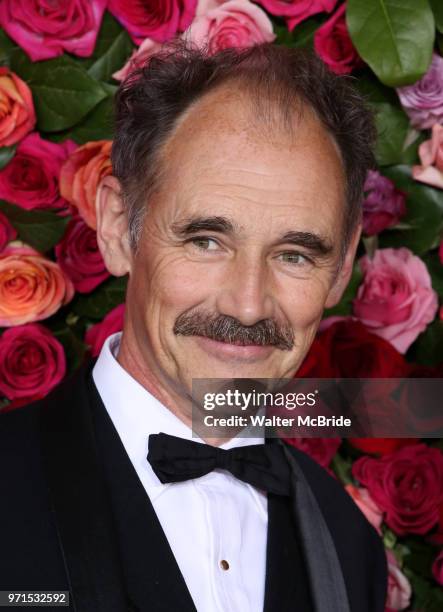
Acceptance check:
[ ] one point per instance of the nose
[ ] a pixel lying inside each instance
(245, 293)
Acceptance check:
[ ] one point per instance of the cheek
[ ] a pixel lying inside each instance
(170, 285)
(303, 303)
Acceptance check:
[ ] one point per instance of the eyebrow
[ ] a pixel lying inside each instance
(197, 224)
(315, 243)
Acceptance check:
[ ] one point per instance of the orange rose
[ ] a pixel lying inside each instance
(80, 175)
(32, 287)
(17, 114)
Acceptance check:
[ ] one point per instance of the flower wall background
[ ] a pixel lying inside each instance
(60, 64)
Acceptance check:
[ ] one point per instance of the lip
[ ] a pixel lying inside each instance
(224, 350)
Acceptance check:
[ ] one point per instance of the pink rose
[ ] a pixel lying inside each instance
(79, 256)
(157, 20)
(334, 45)
(431, 157)
(395, 300)
(399, 588)
(17, 114)
(407, 485)
(367, 505)
(235, 23)
(296, 11)
(218, 24)
(322, 450)
(31, 179)
(437, 568)
(440, 251)
(32, 361)
(138, 58)
(423, 100)
(97, 334)
(7, 232)
(32, 287)
(48, 29)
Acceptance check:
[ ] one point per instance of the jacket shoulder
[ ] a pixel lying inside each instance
(30, 557)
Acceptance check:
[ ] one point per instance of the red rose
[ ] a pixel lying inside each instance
(156, 20)
(334, 45)
(7, 232)
(31, 177)
(97, 334)
(322, 450)
(296, 11)
(32, 361)
(346, 349)
(79, 257)
(407, 485)
(47, 29)
(380, 446)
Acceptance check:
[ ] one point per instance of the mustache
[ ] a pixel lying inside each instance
(225, 328)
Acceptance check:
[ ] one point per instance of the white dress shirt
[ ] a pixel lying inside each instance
(211, 523)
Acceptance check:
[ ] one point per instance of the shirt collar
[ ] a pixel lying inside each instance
(136, 413)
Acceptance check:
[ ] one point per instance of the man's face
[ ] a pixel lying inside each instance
(244, 236)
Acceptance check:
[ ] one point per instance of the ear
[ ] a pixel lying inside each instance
(112, 227)
(344, 274)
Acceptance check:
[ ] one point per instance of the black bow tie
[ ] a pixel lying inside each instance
(263, 466)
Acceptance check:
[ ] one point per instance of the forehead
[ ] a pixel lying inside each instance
(220, 156)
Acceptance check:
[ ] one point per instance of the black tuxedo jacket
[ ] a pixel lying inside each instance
(74, 516)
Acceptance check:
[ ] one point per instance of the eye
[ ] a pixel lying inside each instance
(294, 257)
(204, 243)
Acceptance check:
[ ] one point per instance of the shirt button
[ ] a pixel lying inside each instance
(224, 564)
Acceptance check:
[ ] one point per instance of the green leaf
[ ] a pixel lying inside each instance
(374, 91)
(344, 307)
(428, 348)
(392, 127)
(428, 597)
(424, 214)
(74, 347)
(97, 125)
(420, 555)
(63, 91)
(437, 9)
(389, 539)
(6, 154)
(435, 269)
(113, 49)
(40, 229)
(342, 468)
(7, 47)
(395, 39)
(97, 304)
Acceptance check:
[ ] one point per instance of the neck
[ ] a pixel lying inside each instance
(143, 370)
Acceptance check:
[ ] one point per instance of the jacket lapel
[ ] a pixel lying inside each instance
(287, 586)
(153, 578)
(79, 502)
(325, 575)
